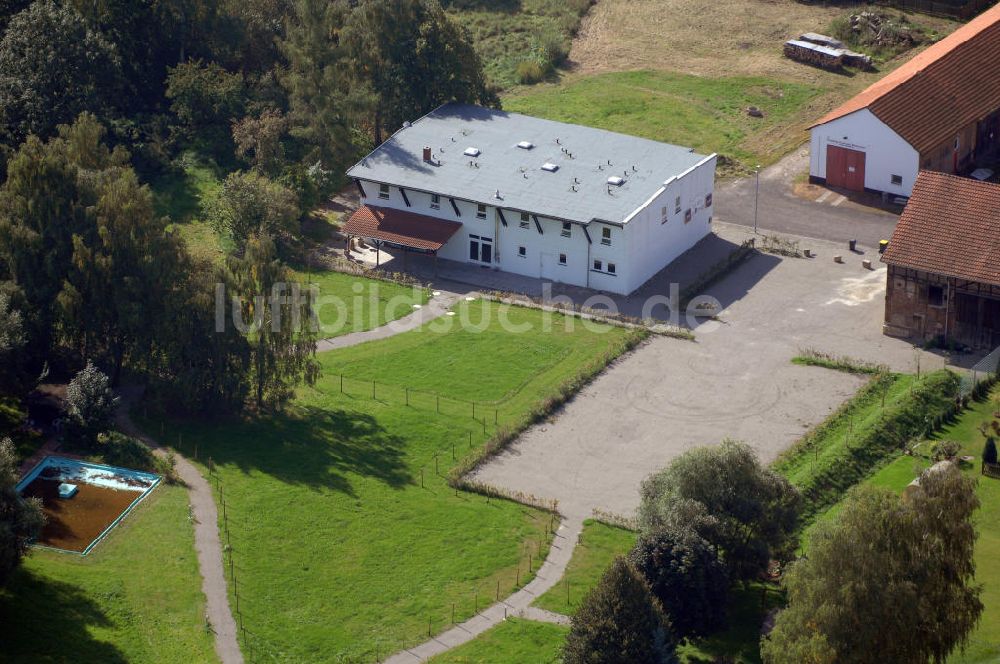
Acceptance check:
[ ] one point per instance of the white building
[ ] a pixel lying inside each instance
(940, 111)
(545, 199)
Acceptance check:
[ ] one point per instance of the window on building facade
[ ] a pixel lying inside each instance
(663, 214)
(611, 268)
(522, 251)
(567, 229)
(897, 179)
(480, 211)
(677, 205)
(935, 296)
(562, 259)
(708, 200)
(524, 220)
(435, 202)
(606, 236)
(597, 265)
(383, 191)
(687, 215)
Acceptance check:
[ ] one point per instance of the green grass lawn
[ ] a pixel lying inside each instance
(135, 598)
(515, 641)
(599, 544)
(179, 194)
(346, 538)
(708, 114)
(349, 303)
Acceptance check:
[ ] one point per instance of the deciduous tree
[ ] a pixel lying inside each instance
(685, 574)
(52, 67)
(747, 512)
(890, 580)
(249, 204)
(278, 320)
(90, 405)
(20, 519)
(619, 621)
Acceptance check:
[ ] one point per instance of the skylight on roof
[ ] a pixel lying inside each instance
(471, 152)
(616, 180)
(550, 167)
(525, 145)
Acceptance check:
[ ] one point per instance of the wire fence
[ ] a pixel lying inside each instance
(485, 413)
(982, 371)
(250, 611)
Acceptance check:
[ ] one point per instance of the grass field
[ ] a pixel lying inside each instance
(599, 544)
(179, 195)
(708, 114)
(349, 303)
(347, 541)
(135, 598)
(515, 641)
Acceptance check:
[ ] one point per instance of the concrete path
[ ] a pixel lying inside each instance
(436, 307)
(517, 605)
(206, 543)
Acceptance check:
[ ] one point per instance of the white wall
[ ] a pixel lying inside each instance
(654, 241)
(886, 153)
(638, 249)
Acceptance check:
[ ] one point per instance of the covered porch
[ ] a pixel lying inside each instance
(407, 231)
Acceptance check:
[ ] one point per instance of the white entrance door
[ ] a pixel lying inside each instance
(550, 267)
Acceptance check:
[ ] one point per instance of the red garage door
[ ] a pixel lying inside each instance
(845, 168)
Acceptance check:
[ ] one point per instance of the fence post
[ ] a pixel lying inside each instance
(407, 396)
(473, 410)
(373, 390)
(437, 402)
(470, 440)
(341, 383)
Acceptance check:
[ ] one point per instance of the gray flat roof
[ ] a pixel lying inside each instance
(585, 157)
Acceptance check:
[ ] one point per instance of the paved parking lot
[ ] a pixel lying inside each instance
(735, 381)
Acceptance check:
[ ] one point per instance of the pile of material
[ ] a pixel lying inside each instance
(882, 33)
(826, 52)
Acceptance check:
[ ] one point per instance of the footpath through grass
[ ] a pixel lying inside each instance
(347, 541)
(135, 598)
(707, 114)
(515, 641)
(599, 544)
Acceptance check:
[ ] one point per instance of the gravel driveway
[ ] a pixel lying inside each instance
(735, 381)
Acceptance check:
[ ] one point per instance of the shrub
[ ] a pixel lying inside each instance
(530, 72)
(685, 574)
(945, 449)
(619, 621)
(990, 451)
(90, 405)
(20, 520)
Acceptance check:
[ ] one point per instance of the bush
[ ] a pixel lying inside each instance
(685, 574)
(945, 449)
(619, 621)
(990, 451)
(90, 406)
(117, 449)
(20, 520)
(530, 72)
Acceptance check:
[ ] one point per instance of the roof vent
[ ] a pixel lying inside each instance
(616, 180)
(471, 152)
(550, 167)
(525, 145)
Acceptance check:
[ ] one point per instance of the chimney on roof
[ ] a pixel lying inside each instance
(427, 153)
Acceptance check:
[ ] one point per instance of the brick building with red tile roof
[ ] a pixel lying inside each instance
(939, 111)
(943, 261)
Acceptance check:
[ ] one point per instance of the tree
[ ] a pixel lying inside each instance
(619, 621)
(20, 519)
(891, 580)
(258, 140)
(249, 204)
(323, 102)
(52, 67)
(12, 343)
(90, 405)
(685, 574)
(990, 451)
(278, 321)
(747, 512)
(413, 58)
(204, 94)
